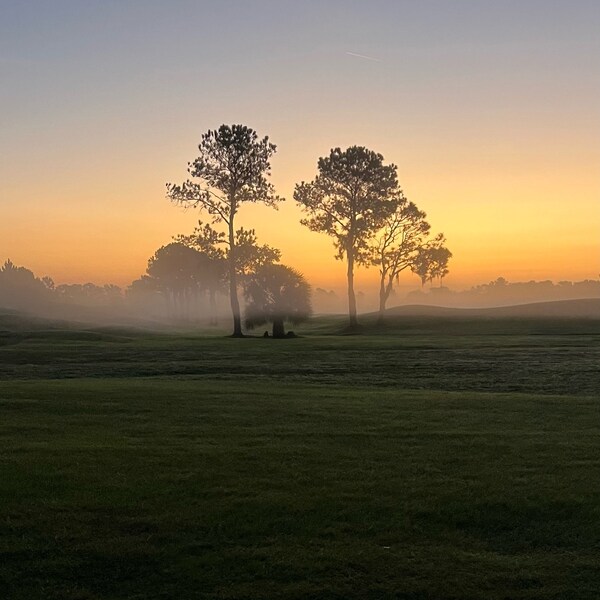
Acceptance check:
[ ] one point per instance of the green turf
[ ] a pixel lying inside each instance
(145, 466)
(551, 357)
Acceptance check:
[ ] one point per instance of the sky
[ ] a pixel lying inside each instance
(491, 110)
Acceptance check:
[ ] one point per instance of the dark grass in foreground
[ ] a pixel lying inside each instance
(136, 465)
(194, 489)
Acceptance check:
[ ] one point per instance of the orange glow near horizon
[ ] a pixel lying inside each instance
(516, 223)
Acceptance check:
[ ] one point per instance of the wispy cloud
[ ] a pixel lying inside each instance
(364, 56)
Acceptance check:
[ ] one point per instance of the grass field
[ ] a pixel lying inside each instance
(437, 459)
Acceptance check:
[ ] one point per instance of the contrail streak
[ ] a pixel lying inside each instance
(363, 56)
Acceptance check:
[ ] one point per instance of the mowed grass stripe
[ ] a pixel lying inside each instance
(161, 488)
(466, 360)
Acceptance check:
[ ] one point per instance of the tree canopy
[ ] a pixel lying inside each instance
(249, 254)
(431, 261)
(232, 169)
(349, 200)
(19, 287)
(276, 294)
(399, 243)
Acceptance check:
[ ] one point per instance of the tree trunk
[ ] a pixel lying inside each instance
(212, 307)
(351, 296)
(177, 303)
(383, 296)
(169, 299)
(233, 297)
(278, 330)
(186, 304)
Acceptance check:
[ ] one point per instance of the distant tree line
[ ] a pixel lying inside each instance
(21, 289)
(180, 289)
(501, 291)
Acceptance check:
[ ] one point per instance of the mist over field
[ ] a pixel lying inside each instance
(22, 291)
(111, 305)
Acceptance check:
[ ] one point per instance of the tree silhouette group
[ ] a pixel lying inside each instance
(355, 198)
(233, 168)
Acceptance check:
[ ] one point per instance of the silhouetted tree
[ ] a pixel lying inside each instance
(249, 254)
(421, 265)
(48, 282)
(275, 294)
(214, 279)
(88, 294)
(207, 240)
(395, 249)
(146, 296)
(431, 261)
(440, 256)
(20, 288)
(177, 269)
(144, 285)
(233, 167)
(349, 199)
